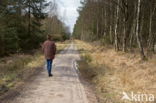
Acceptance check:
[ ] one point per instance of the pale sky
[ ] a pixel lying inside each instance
(67, 10)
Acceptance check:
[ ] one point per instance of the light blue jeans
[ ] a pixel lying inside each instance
(49, 65)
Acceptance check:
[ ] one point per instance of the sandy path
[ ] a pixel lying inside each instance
(63, 87)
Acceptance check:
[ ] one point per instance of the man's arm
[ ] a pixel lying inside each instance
(54, 49)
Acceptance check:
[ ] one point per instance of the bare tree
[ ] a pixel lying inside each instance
(138, 30)
(116, 27)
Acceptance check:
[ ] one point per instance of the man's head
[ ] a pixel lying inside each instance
(49, 37)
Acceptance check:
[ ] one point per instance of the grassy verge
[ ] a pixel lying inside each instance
(61, 45)
(16, 68)
(114, 72)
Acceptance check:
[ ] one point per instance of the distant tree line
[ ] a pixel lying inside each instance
(59, 32)
(126, 24)
(54, 25)
(22, 24)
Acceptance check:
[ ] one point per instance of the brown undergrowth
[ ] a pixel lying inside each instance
(114, 72)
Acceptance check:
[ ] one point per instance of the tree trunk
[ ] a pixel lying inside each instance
(29, 19)
(133, 31)
(124, 46)
(150, 32)
(97, 28)
(105, 21)
(151, 36)
(110, 26)
(138, 31)
(116, 27)
(124, 37)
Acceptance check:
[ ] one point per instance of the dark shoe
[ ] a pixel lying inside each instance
(50, 75)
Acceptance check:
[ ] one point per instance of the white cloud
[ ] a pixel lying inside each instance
(68, 11)
(69, 8)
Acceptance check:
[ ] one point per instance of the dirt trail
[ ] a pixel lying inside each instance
(63, 87)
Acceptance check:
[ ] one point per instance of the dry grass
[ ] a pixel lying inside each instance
(117, 72)
(16, 68)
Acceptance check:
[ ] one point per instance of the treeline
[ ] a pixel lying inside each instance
(22, 24)
(126, 24)
(59, 31)
(54, 24)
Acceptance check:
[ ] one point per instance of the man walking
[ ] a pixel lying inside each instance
(49, 49)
